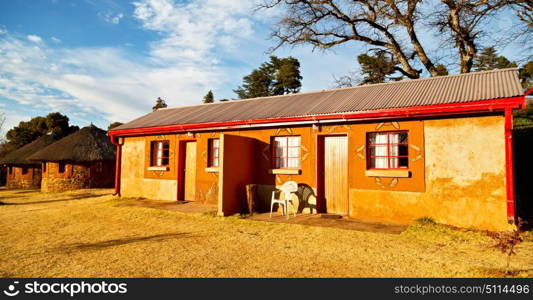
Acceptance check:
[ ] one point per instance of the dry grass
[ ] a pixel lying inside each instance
(84, 234)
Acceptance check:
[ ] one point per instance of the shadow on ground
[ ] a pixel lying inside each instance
(321, 221)
(124, 241)
(73, 197)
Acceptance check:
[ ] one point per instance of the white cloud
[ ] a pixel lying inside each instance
(203, 45)
(55, 40)
(34, 38)
(94, 81)
(2, 30)
(190, 31)
(110, 17)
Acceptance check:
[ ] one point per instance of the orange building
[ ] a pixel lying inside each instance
(21, 172)
(84, 159)
(437, 147)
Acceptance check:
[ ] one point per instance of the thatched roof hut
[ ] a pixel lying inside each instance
(20, 156)
(84, 159)
(87, 144)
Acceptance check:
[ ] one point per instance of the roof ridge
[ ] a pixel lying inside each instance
(349, 88)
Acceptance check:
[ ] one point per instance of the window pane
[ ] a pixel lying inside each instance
(380, 150)
(393, 162)
(294, 163)
(294, 141)
(403, 150)
(279, 162)
(403, 162)
(380, 163)
(393, 150)
(381, 138)
(280, 141)
(387, 150)
(371, 151)
(394, 138)
(403, 137)
(294, 152)
(371, 138)
(280, 152)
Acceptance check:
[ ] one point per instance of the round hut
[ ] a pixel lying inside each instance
(22, 172)
(84, 159)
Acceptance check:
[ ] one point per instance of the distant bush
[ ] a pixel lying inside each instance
(426, 221)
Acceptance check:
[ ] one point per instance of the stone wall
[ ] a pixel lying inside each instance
(17, 179)
(77, 176)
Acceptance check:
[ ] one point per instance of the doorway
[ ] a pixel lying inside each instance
(187, 169)
(333, 174)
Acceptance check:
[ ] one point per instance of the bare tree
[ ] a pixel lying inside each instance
(382, 24)
(524, 11)
(463, 21)
(385, 25)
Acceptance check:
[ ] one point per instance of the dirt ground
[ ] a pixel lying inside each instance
(90, 233)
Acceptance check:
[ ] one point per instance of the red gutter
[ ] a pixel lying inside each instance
(509, 170)
(117, 166)
(396, 113)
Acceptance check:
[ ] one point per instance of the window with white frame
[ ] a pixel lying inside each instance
(159, 153)
(286, 152)
(387, 150)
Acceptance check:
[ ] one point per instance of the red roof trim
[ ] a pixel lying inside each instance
(397, 113)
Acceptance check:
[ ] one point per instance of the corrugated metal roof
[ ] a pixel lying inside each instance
(408, 93)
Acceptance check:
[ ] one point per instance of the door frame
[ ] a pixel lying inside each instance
(181, 167)
(320, 141)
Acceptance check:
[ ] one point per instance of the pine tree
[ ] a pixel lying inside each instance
(279, 76)
(113, 125)
(488, 60)
(377, 68)
(441, 70)
(209, 98)
(526, 75)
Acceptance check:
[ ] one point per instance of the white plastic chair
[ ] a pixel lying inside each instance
(287, 189)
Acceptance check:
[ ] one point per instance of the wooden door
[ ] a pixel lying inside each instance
(335, 172)
(189, 182)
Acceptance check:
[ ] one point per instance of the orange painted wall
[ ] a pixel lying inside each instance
(237, 169)
(434, 145)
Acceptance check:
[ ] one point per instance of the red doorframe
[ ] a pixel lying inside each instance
(181, 167)
(320, 201)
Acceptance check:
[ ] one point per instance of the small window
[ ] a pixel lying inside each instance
(61, 167)
(159, 153)
(286, 152)
(387, 150)
(24, 170)
(44, 167)
(213, 152)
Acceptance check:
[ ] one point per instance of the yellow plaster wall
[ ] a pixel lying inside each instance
(465, 178)
(133, 181)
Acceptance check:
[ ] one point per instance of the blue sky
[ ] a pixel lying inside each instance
(101, 61)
